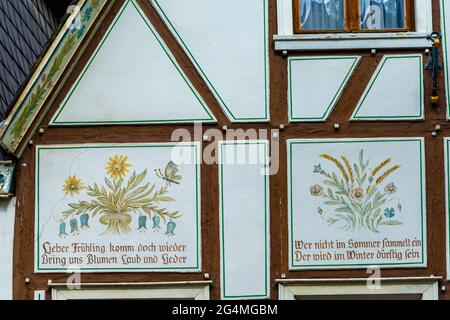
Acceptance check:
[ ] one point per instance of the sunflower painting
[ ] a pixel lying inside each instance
(73, 186)
(121, 196)
(117, 167)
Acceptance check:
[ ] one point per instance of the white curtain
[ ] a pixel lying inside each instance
(329, 14)
(322, 14)
(382, 14)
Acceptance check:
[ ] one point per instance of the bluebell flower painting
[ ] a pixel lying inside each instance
(318, 169)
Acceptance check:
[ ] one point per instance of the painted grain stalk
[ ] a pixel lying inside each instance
(356, 195)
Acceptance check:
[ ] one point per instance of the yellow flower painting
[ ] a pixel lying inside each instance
(73, 186)
(117, 167)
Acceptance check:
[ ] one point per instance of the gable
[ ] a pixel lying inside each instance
(132, 78)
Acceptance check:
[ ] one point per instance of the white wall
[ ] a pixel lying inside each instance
(227, 42)
(7, 214)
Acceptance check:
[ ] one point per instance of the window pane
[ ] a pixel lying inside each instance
(382, 14)
(322, 14)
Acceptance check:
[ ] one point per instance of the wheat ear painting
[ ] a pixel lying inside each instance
(359, 197)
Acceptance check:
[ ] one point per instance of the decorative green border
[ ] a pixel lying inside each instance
(445, 48)
(26, 111)
(420, 116)
(343, 85)
(422, 264)
(163, 45)
(447, 200)
(195, 145)
(219, 98)
(222, 222)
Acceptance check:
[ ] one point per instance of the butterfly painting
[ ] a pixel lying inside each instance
(170, 174)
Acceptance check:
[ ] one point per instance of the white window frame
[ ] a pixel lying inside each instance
(135, 291)
(428, 287)
(286, 40)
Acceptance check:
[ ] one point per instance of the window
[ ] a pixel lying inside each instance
(356, 289)
(136, 291)
(417, 21)
(313, 16)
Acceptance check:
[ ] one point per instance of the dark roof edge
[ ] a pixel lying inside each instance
(36, 64)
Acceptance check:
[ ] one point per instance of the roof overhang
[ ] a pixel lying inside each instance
(61, 57)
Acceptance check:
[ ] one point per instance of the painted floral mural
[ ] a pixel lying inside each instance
(355, 196)
(122, 196)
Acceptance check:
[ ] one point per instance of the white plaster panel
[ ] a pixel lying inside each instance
(228, 43)
(132, 78)
(395, 91)
(244, 220)
(316, 84)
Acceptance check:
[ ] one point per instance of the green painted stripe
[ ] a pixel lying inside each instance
(118, 122)
(121, 269)
(447, 152)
